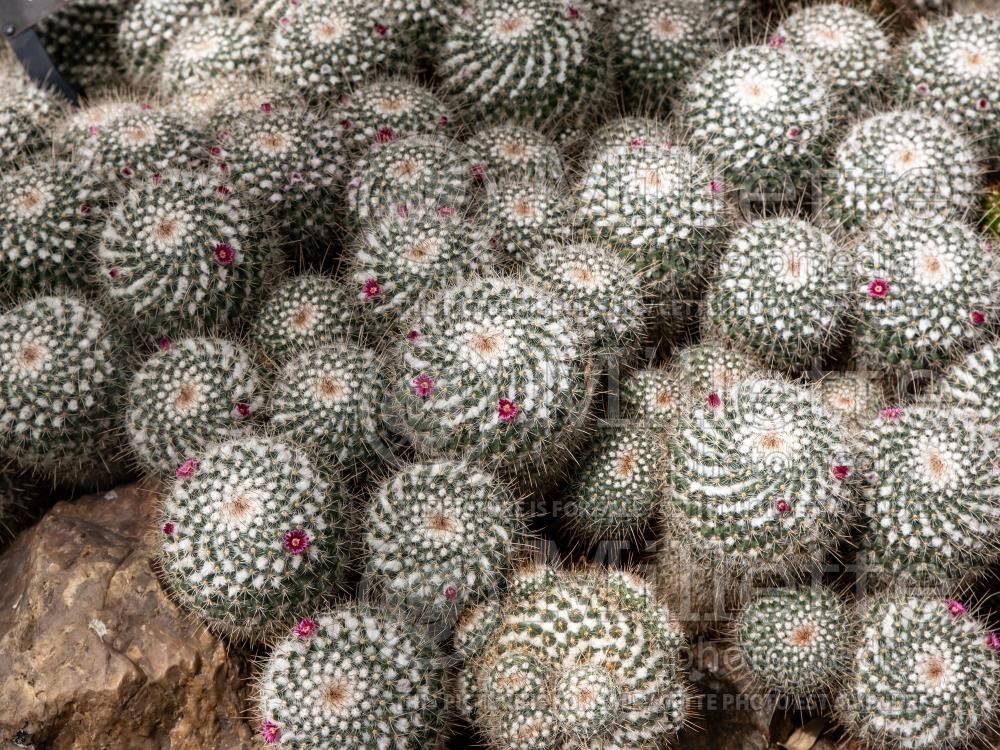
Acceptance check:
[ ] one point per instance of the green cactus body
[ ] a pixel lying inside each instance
(49, 214)
(353, 678)
(952, 69)
(252, 537)
(524, 217)
(924, 675)
(973, 385)
(855, 398)
(440, 536)
(532, 62)
(844, 44)
(82, 40)
(76, 132)
(149, 26)
(618, 488)
(386, 109)
(304, 312)
(325, 399)
(757, 479)
(400, 262)
(178, 254)
(783, 291)
(928, 293)
(213, 105)
(572, 659)
(600, 290)
(325, 48)
(290, 161)
(931, 495)
(762, 115)
(26, 113)
(495, 373)
(60, 383)
(517, 154)
(408, 175)
(795, 641)
(193, 393)
(423, 22)
(211, 49)
(620, 132)
(905, 163)
(658, 46)
(662, 207)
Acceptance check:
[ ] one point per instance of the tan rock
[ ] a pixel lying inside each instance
(93, 656)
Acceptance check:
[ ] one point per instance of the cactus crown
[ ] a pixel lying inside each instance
(518, 154)
(214, 47)
(386, 109)
(526, 216)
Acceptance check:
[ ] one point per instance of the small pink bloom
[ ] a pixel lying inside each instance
(223, 167)
(223, 253)
(295, 177)
(841, 472)
(266, 107)
(572, 12)
(384, 135)
(715, 186)
(890, 412)
(345, 124)
(956, 608)
(636, 142)
(988, 246)
(445, 211)
(305, 628)
(993, 641)
(450, 593)
(223, 190)
(296, 541)
(983, 104)
(443, 121)
(284, 20)
(878, 288)
(506, 410)
(168, 528)
(164, 343)
(422, 385)
(776, 41)
(84, 208)
(146, 107)
(978, 317)
(794, 132)
(125, 172)
(270, 731)
(402, 211)
(380, 29)
(156, 178)
(413, 335)
(187, 469)
(782, 506)
(371, 288)
(343, 100)
(714, 400)
(115, 272)
(478, 171)
(93, 130)
(923, 89)
(242, 410)
(215, 151)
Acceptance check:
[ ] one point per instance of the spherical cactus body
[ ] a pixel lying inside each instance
(386, 109)
(193, 393)
(928, 290)
(353, 678)
(526, 216)
(795, 641)
(924, 675)
(180, 254)
(213, 105)
(440, 536)
(901, 162)
(568, 682)
(518, 154)
(855, 398)
(81, 38)
(252, 537)
(972, 385)
(783, 291)
(26, 113)
(212, 48)
(149, 26)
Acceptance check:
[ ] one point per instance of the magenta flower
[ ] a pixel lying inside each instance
(890, 412)
(983, 104)
(450, 593)
(782, 506)
(714, 401)
(223, 253)
(978, 317)
(187, 469)
(164, 343)
(572, 12)
(637, 143)
(794, 132)
(956, 608)
(305, 628)
(371, 288)
(878, 288)
(168, 528)
(115, 272)
(923, 89)
(380, 29)
(442, 121)
(422, 385)
(270, 731)
(993, 641)
(507, 410)
(841, 472)
(241, 410)
(413, 335)
(384, 135)
(85, 208)
(776, 41)
(296, 541)
(266, 107)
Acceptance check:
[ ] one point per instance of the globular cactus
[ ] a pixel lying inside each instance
(855, 398)
(128, 140)
(712, 368)
(326, 399)
(783, 292)
(795, 641)
(423, 22)
(532, 62)
(214, 104)
(149, 26)
(390, 108)
(972, 385)
(26, 114)
(951, 69)
(924, 674)
(662, 207)
(658, 46)
(61, 379)
(572, 659)
(510, 152)
(178, 253)
(211, 49)
(253, 537)
(411, 175)
(756, 479)
(928, 291)
(82, 40)
(618, 487)
(524, 217)
(399, 262)
(495, 372)
(762, 115)
(325, 48)
(654, 396)
(353, 678)
(49, 214)
(930, 492)
(901, 162)
(622, 132)
(845, 45)
(440, 536)
(304, 312)
(600, 290)
(289, 161)
(191, 394)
